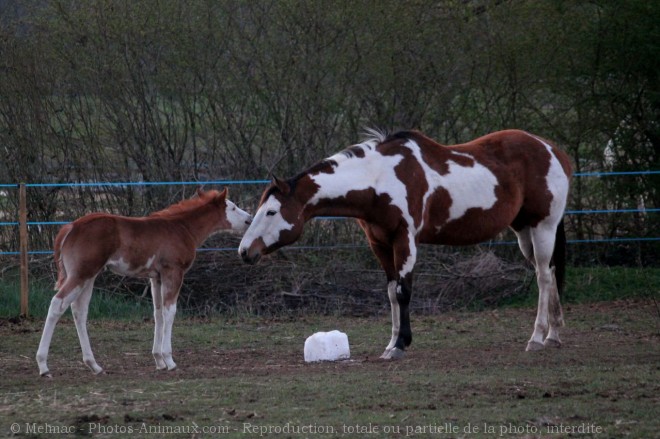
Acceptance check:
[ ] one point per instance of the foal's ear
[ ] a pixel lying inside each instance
(223, 195)
(282, 185)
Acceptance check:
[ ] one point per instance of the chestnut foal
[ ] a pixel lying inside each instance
(161, 246)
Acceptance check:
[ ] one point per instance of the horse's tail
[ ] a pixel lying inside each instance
(57, 254)
(559, 257)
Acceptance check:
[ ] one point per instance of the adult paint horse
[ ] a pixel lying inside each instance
(405, 189)
(161, 246)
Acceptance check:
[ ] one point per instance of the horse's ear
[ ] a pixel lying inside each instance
(282, 185)
(223, 194)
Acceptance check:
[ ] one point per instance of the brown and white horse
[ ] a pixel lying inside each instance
(405, 189)
(160, 247)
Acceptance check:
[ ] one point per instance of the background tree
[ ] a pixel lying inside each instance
(186, 91)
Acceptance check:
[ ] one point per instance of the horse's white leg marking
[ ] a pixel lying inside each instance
(55, 311)
(555, 315)
(157, 299)
(543, 240)
(399, 293)
(79, 309)
(525, 243)
(169, 311)
(396, 318)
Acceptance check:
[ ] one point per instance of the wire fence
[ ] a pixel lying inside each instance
(9, 186)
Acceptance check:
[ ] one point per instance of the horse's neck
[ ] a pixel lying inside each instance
(347, 191)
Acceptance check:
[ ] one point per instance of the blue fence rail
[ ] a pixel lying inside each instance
(248, 182)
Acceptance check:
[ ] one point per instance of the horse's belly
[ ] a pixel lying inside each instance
(472, 228)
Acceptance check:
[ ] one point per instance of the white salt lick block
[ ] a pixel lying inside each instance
(327, 346)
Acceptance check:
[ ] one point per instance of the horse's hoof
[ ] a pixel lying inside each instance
(393, 354)
(533, 346)
(46, 374)
(552, 343)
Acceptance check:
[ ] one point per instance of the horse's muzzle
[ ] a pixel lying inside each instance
(249, 259)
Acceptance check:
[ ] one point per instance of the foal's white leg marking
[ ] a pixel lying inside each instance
(168, 320)
(79, 309)
(396, 318)
(543, 240)
(157, 299)
(55, 311)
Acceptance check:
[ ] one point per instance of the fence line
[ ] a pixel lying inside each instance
(240, 182)
(568, 212)
(246, 182)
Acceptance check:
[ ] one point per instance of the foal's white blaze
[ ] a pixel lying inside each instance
(268, 224)
(238, 218)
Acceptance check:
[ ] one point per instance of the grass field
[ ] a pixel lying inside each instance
(466, 375)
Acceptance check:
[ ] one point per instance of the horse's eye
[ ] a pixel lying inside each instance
(271, 213)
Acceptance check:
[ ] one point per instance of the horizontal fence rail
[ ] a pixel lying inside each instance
(255, 182)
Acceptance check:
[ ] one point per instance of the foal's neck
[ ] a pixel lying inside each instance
(200, 222)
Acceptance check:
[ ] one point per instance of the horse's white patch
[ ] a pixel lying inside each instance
(558, 184)
(468, 186)
(268, 224)
(409, 265)
(373, 171)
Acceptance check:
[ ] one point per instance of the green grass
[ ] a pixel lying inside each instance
(594, 284)
(102, 305)
(583, 285)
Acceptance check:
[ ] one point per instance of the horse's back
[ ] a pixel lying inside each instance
(501, 179)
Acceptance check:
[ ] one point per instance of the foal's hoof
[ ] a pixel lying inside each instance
(393, 354)
(46, 374)
(552, 343)
(533, 346)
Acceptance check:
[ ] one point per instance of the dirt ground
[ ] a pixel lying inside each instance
(461, 366)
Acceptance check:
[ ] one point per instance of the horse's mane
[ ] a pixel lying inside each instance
(187, 205)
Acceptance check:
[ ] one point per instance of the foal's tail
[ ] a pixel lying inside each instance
(59, 241)
(559, 257)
